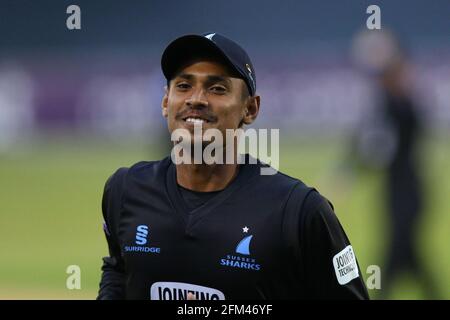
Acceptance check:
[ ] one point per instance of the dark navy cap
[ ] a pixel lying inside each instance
(215, 45)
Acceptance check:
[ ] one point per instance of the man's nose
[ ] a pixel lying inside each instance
(197, 99)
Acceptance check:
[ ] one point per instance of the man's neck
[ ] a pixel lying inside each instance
(204, 177)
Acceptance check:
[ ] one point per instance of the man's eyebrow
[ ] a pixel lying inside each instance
(214, 78)
(186, 76)
(210, 78)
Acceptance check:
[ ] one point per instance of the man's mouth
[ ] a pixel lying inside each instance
(195, 120)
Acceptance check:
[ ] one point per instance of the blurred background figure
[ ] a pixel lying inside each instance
(390, 141)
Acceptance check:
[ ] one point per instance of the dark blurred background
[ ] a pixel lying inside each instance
(77, 104)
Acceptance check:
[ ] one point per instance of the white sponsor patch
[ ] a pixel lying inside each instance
(179, 291)
(345, 266)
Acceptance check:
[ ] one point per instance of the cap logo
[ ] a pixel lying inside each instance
(248, 67)
(209, 36)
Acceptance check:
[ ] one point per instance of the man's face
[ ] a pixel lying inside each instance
(205, 92)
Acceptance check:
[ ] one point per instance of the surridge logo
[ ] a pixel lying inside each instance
(142, 233)
(242, 249)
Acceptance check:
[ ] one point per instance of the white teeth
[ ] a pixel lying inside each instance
(195, 120)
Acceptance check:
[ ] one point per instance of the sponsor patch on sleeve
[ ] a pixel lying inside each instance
(345, 266)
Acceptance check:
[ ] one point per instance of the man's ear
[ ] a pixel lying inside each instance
(164, 102)
(252, 109)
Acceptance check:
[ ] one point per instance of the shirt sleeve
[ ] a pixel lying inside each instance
(112, 282)
(329, 262)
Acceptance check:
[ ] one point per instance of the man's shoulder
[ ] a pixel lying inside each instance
(148, 168)
(285, 188)
(300, 193)
(142, 170)
(306, 207)
(277, 178)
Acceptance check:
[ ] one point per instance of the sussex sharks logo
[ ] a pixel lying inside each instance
(244, 246)
(241, 257)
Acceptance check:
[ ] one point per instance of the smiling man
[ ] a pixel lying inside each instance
(219, 231)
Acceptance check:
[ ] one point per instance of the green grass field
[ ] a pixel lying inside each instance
(50, 212)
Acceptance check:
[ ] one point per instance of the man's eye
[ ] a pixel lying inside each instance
(218, 89)
(183, 86)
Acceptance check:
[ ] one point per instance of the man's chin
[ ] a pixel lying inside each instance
(198, 144)
(202, 144)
